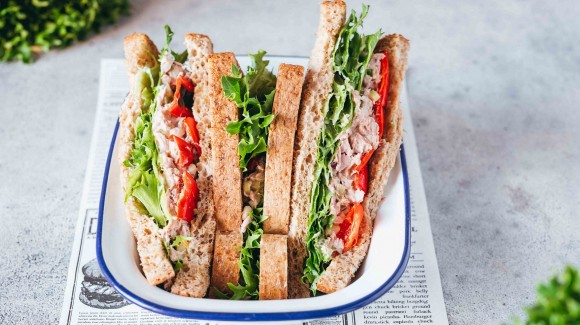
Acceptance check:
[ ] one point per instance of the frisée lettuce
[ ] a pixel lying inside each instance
(254, 95)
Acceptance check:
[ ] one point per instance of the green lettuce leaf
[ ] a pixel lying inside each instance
(148, 193)
(261, 81)
(350, 61)
(254, 95)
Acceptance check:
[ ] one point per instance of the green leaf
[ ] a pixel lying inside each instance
(168, 37)
(178, 265)
(260, 80)
(234, 127)
(180, 57)
(254, 96)
(351, 57)
(30, 27)
(558, 301)
(231, 88)
(147, 193)
(267, 120)
(180, 240)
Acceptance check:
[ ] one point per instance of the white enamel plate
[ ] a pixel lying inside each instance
(385, 263)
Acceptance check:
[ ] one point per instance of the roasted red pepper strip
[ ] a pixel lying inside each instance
(364, 159)
(361, 180)
(191, 130)
(177, 108)
(185, 151)
(383, 90)
(350, 226)
(183, 81)
(179, 111)
(187, 198)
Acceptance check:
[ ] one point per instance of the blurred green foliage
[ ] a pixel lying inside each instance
(558, 301)
(28, 27)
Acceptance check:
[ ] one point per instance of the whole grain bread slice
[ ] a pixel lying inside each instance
(194, 278)
(225, 261)
(140, 52)
(317, 86)
(227, 176)
(342, 268)
(278, 175)
(273, 267)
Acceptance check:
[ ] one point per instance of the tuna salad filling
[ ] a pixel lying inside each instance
(355, 142)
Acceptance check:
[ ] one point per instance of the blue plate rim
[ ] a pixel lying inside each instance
(277, 316)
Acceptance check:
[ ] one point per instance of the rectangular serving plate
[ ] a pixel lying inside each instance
(383, 266)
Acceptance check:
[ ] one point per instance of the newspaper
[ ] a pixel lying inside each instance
(416, 299)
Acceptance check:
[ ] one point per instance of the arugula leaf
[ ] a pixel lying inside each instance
(350, 61)
(254, 95)
(30, 27)
(558, 301)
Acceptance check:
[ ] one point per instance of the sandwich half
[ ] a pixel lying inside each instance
(165, 163)
(250, 257)
(349, 134)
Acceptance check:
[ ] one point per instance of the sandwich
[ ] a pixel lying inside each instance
(253, 125)
(348, 138)
(165, 159)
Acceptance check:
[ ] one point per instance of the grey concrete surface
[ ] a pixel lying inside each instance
(494, 93)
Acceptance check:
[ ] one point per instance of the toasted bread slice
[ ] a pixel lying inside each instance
(343, 267)
(225, 260)
(280, 149)
(273, 267)
(317, 86)
(140, 52)
(194, 278)
(227, 176)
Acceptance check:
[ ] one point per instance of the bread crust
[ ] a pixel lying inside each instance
(273, 267)
(194, 278)
(317, 86)
(225, 260)
(278, 175)
(140, 52)
(342, 268)
(227, 177)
